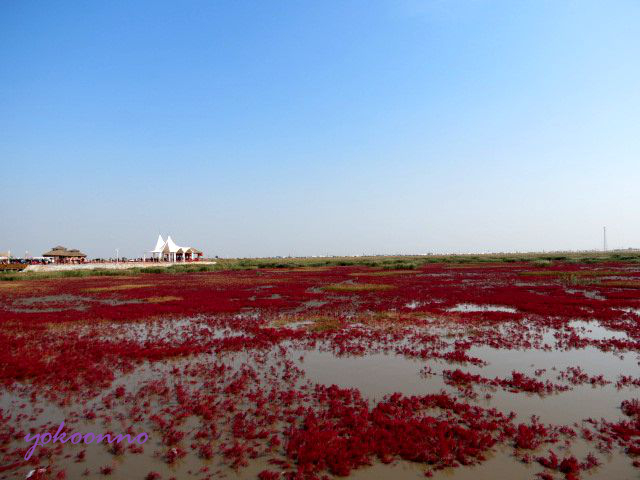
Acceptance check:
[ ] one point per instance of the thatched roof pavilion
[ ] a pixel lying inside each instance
(61, 254)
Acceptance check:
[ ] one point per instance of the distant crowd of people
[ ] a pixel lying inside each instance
(28, 261)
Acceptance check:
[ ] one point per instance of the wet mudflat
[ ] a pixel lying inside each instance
(450, 372)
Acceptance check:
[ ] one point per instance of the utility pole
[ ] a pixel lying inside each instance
(117, 255)
(604, 239)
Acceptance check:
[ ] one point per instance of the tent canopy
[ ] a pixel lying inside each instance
(169, 246)
(159, 245)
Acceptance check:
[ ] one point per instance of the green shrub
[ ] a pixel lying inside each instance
(542, 263)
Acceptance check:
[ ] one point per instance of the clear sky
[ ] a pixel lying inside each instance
(256, 128)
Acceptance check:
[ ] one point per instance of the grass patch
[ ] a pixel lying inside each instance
(115, 288)
(575, 277)
(12, 267)
(573, 273)
(285, 320)
(384, 273)
(621, 283)
(387, 320)
(165, 299)
(303, 269)
(319, 323)
(463, 266)
(324, 324)
(357, 287)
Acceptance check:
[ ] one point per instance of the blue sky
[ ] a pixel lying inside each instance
(307, 128)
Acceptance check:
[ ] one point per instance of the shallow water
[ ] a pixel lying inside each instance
(60, 303)
(375, 375)
(472, 307)
(378, 375)
(592, 294)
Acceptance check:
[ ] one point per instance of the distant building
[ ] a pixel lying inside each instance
(168, 251)
(61, 254)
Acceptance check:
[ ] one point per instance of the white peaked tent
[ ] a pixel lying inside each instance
(170, 246)
(159, 245)
(170, 252)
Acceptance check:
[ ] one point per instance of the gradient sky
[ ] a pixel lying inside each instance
(308, 128)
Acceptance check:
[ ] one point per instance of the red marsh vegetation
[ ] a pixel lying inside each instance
(480, 371)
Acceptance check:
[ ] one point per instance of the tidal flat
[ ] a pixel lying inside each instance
(501, 370)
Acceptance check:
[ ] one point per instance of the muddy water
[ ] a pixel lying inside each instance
(499, 465)
(596, 331)
(375, 375)
(379, 374)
